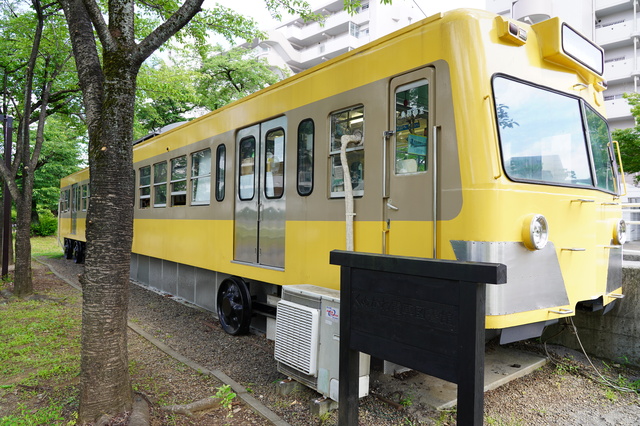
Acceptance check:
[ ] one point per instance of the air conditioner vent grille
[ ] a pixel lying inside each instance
(297, 337)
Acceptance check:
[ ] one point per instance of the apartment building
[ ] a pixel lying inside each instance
(297, 45)
(613, 24)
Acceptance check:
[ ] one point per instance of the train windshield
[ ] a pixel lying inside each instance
(550, 138)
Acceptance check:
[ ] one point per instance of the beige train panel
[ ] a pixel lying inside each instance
(218, 210)
(192, 146)
(450, 180)
(319, 205)
(331, 78)
(80, 177)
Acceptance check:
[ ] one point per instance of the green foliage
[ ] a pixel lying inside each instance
(625, 383)
(62, 153)
(611, 395)
(566, 365)
(195, 80)
(222, 21)
(226, 396)
(351, 6)
(629, 139)
(406, 400)
(165, 92)
(46, 226)
(228, 75)
(17, 28)
(446, 417)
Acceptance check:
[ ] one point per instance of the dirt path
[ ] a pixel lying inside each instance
(558, 394)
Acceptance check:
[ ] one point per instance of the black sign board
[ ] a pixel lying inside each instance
(425, 314)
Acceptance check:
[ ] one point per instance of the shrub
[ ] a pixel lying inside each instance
(48, 224)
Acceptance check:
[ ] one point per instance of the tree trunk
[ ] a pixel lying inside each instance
(22, 280)
(35, 217)
(104, 381)
(2, 232)
(108, 89)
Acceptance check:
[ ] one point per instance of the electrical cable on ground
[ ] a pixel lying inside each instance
(602, 378)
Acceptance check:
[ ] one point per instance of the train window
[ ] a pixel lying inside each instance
(160, 184)
(64, 200)
(541, 134)
(349, 122)
(412, 118)
(201, 177)
(221, 159)
(85, 198)
(274, 164)
(306, 132)
(144, 182)
(246, 187)
(76, 198)
(603, 158)
(179, 181)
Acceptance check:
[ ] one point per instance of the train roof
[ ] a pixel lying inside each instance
(457, 14)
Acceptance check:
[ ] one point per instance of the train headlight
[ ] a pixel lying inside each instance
(535, 232)
(620, 232)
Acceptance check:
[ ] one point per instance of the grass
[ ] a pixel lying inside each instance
(45, 246)
(39, 359)
(51, 414)
(38, 340)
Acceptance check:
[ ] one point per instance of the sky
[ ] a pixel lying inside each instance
(258, 10)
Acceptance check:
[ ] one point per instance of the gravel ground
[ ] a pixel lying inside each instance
(560, 393)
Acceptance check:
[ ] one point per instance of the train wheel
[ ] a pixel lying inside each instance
(78, 252)
(68, 249)
(234, 306)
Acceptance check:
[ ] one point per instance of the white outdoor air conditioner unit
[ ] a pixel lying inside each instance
(308, 339)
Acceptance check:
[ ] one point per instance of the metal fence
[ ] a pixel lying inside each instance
(631, 215)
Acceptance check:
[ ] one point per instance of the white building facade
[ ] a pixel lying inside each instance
(298, 45)
(612, 24)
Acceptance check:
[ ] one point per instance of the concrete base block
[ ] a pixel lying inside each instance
(615, 335)
(393, 368)
(286, 387)
(322, 406)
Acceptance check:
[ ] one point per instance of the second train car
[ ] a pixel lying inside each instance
(471, 137)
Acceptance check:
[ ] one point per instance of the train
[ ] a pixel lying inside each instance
(464, 136)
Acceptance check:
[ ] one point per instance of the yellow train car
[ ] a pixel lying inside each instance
(72, 214)
(466, 136)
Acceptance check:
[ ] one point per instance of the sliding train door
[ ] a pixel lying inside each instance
(409, 188)
(260, 200)
(75, 206)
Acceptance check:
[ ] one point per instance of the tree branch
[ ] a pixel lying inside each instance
(88, 64)
(167, 29)
(102, 29)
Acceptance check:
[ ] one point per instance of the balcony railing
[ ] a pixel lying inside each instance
(615, 33)
(618, 70)
(606, 4)
(617, 108)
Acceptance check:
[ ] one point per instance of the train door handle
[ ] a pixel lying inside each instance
(392, 207)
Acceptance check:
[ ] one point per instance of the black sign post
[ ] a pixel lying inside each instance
(425, 314)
